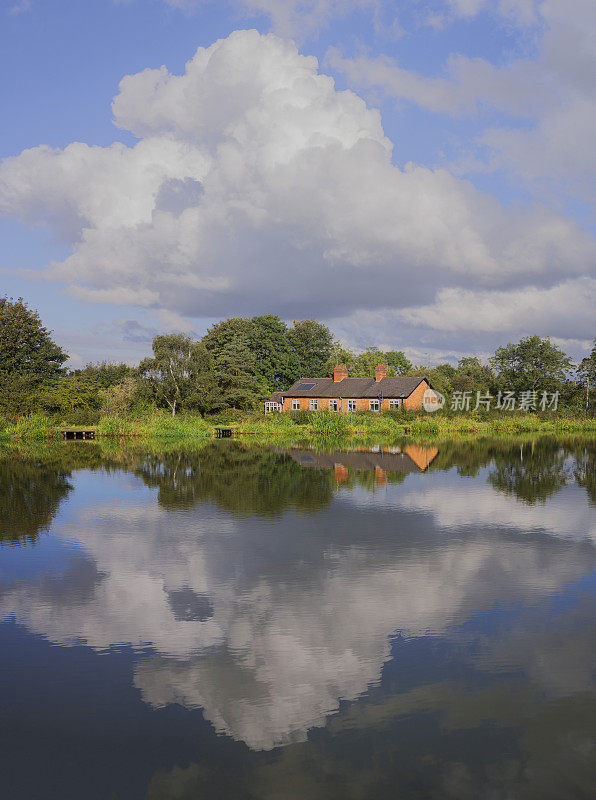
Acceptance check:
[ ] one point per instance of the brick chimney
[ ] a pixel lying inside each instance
(340, 372)
(380, 371)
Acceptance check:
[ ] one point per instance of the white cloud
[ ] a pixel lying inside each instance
(451, 508)
(466, 84)
(519, 310)
(296, 18)
(257, 186)
(552, 91)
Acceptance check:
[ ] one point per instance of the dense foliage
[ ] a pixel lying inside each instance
(178, 374)
(533, 363)
(362, 365)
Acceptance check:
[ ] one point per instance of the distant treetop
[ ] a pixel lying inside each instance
(26, 347)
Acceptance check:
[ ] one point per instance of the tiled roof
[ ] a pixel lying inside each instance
(394, 387)
(355, 387)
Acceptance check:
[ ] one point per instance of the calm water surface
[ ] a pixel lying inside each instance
(241, 622)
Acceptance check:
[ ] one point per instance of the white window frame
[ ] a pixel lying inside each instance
(393, 403)
(296, 405)
(374, 405)
(314, 405)
(352, 405)
(333, 405)
(271, 406)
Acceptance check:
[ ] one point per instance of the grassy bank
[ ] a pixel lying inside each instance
(156, 425)
(291, 428)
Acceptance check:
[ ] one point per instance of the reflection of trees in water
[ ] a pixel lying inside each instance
(585, 471)
(30, 495)
(531, 471)
(34, 479)
(247, 479)
(236, 477)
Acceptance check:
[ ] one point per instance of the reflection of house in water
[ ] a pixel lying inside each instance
(380, 460)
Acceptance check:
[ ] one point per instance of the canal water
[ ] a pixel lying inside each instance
(414, 621)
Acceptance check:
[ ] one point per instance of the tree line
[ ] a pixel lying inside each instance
(240, 361)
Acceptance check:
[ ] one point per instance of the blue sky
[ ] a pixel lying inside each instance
(456, 218)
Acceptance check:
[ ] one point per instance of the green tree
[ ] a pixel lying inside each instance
(221, 334)
(439, 377)
(362, 365)
(26, 347)
(177, 371)
(105, 373)
(531, 364)
(17, 393)
(234, 367)
(471, 376)
(116, 399)
(397, 362)
(276, 364)
(272, 360)
(340, 355)
(67, 393)
(587, 372)
(312, 343)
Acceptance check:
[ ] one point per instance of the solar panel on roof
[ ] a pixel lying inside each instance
(304, 387)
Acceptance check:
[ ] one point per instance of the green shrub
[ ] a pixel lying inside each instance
(115, 426)
(329, 423)
(35, 426)
(66, 394)
(303, 417)
(177, 427)
(229, 416)
(425, 426)
(117, 399)
(82, 416)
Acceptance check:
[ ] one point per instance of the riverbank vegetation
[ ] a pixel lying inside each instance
(294, 427)
(188, 387)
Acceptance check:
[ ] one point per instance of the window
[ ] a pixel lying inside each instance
(333, 405)
(272, 406)
(394, 404)
(295, 405)
(373, 405)
(314, 405)
(351, 405)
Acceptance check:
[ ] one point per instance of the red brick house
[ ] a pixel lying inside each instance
(342, 393)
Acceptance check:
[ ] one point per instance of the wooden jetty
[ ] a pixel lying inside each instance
(80, 434)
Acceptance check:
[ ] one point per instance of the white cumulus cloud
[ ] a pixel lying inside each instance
(551, 91)
(256, 186)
